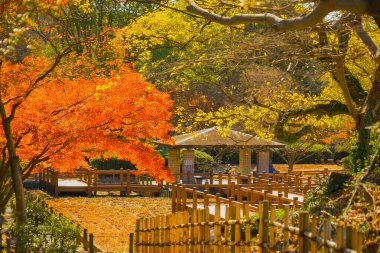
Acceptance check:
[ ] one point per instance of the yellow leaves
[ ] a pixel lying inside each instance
(104, 87)
(83, 5)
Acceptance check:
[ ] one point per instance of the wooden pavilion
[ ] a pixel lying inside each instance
(219, 137)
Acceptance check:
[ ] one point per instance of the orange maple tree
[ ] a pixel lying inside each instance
(65, 119)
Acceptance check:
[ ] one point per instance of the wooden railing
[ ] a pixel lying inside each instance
(49, 180)
(119, 180)
(184, 198)
(199, 231)
(213, 178)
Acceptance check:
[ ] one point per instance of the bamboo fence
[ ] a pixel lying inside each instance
(198, 231)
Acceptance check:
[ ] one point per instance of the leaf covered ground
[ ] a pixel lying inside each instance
(354, 201)
(306, 167)
(110, 219)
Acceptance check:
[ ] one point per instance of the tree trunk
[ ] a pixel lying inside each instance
(17, 185)
(291, 166)
(369, 114)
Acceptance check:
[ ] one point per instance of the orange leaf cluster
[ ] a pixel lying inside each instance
(62, 120)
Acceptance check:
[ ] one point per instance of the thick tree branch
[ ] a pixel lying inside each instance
(333, 108)
(346, 92)
(367, 40)
(314, 17)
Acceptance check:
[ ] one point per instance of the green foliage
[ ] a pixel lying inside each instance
(109, 164)
(203, 160)
(336, 182)
(318, 199)
(46, 232)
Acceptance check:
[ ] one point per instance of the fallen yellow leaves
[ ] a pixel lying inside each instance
(110, 219)
(306, 167)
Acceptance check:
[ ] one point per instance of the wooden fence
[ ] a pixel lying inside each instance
(184, 198)
(314, 176)
(290, 179)
(198, 231)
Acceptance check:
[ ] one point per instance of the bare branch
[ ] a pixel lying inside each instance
(312, 18)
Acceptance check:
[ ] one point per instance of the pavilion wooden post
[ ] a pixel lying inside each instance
(263, 161)
(188, 164)
(245, 161)
(174, 162)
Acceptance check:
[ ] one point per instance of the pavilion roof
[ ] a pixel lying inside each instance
(219, 137)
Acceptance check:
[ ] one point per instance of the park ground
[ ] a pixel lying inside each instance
(111, 218)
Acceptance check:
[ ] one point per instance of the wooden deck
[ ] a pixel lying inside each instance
(89, 182)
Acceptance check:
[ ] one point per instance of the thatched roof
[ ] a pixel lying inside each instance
(217, 137)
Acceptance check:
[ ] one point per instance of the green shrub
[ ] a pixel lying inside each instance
(46, 232)
(112, 163)
(336, 182)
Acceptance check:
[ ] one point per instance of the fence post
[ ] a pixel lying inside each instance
(207, 185)
(303, 242)
(286, 190)
(138, 236)
(207, 232)
(85, 239)
(193, 232)
(89, 172)
(91, 249)
(263, 226)
(220, 178)
(179, 194)
(195, 198)
(217, 227)
(286, 231)
(121, 176)
(238, 179)
(211, 177)
(349, 237)
(239, 194)
(174, 198)
(339, 237)
(205, 199)
(55, 183)
(232, 194)
(314, 231)
(200, 233)
(253, 197)
(359, 242)
(131, 243)
(128, 182)
(247, 238)
(272, 229)
(234, 227)
(186, 230)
